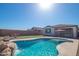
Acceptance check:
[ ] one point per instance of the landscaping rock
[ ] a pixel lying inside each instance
(6, 47)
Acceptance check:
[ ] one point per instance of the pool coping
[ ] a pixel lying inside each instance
(40, 37)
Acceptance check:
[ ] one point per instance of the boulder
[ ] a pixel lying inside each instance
(6, 47)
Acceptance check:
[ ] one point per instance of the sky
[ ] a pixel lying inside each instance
(24, 16)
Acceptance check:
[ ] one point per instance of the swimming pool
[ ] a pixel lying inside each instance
(38, 47)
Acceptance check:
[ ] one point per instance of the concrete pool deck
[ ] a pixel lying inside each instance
(68, 48)
(64, 49)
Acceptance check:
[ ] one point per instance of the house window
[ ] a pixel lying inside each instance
(48, 30)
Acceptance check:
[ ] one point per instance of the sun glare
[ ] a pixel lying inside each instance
(45, 6)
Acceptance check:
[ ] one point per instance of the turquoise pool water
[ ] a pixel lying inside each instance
(37, 47)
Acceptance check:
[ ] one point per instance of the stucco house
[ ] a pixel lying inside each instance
(61, 30)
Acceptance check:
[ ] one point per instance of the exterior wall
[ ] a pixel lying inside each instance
(5, 32)
(34, 32)
(75, 32)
